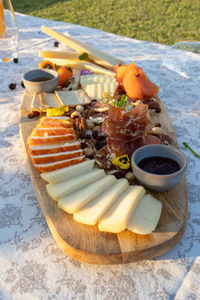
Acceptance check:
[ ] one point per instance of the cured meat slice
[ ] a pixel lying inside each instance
(126, 129)
(122, 118)
(118, 132)
(125, 147)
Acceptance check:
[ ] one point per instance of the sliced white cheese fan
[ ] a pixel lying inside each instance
(74, 201)
(93, 211)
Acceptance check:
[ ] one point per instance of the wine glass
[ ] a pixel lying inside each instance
(8, 32)
(183, 58)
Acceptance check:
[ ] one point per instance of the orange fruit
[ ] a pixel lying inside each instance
(46, 64)
(138, 87)
(64, 74)
(121, 71)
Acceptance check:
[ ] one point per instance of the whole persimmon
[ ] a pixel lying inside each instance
(138, 87)
(64, 74)
(122, 70)
(46, 64)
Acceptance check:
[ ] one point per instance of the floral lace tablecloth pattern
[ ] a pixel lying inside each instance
(32, 265)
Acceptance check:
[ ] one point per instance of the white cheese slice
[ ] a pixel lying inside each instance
(76, 76)
(49, 100)
(100, 90)
(82, 65)
(35, 104)
(95, 78)
(68, 172)
(73, 98)
(60, 54)
(26, 101)
(60, 189)
(98, 56)
(74, 201)
(93, 211)
(117, 216)
(146, 215)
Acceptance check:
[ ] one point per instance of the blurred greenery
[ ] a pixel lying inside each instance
(161, 21)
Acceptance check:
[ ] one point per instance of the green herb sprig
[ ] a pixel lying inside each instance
(193, 152)
(83, 56)
(122, 102)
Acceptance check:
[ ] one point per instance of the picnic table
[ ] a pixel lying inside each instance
(32, 265)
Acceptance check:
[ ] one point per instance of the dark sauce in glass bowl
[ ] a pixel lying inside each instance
(43, 78)
(159, 165)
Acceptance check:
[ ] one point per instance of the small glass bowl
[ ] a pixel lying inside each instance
(154, 182)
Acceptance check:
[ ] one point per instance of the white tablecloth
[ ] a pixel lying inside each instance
(32, 266)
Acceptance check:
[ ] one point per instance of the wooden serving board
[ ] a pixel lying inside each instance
(86, 243)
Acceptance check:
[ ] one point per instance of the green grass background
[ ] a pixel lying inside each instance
(161, 21)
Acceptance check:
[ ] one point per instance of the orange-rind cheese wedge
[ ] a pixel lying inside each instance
(56, 148)
(52, 131)
(48, 158)
(47, 140)
(44, 124)
(59, 164)
(53, 146)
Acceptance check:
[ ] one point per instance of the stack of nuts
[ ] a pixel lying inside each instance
(92, 137)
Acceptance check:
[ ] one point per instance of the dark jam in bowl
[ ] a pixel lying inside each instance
(159, 165)
(44, 78)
